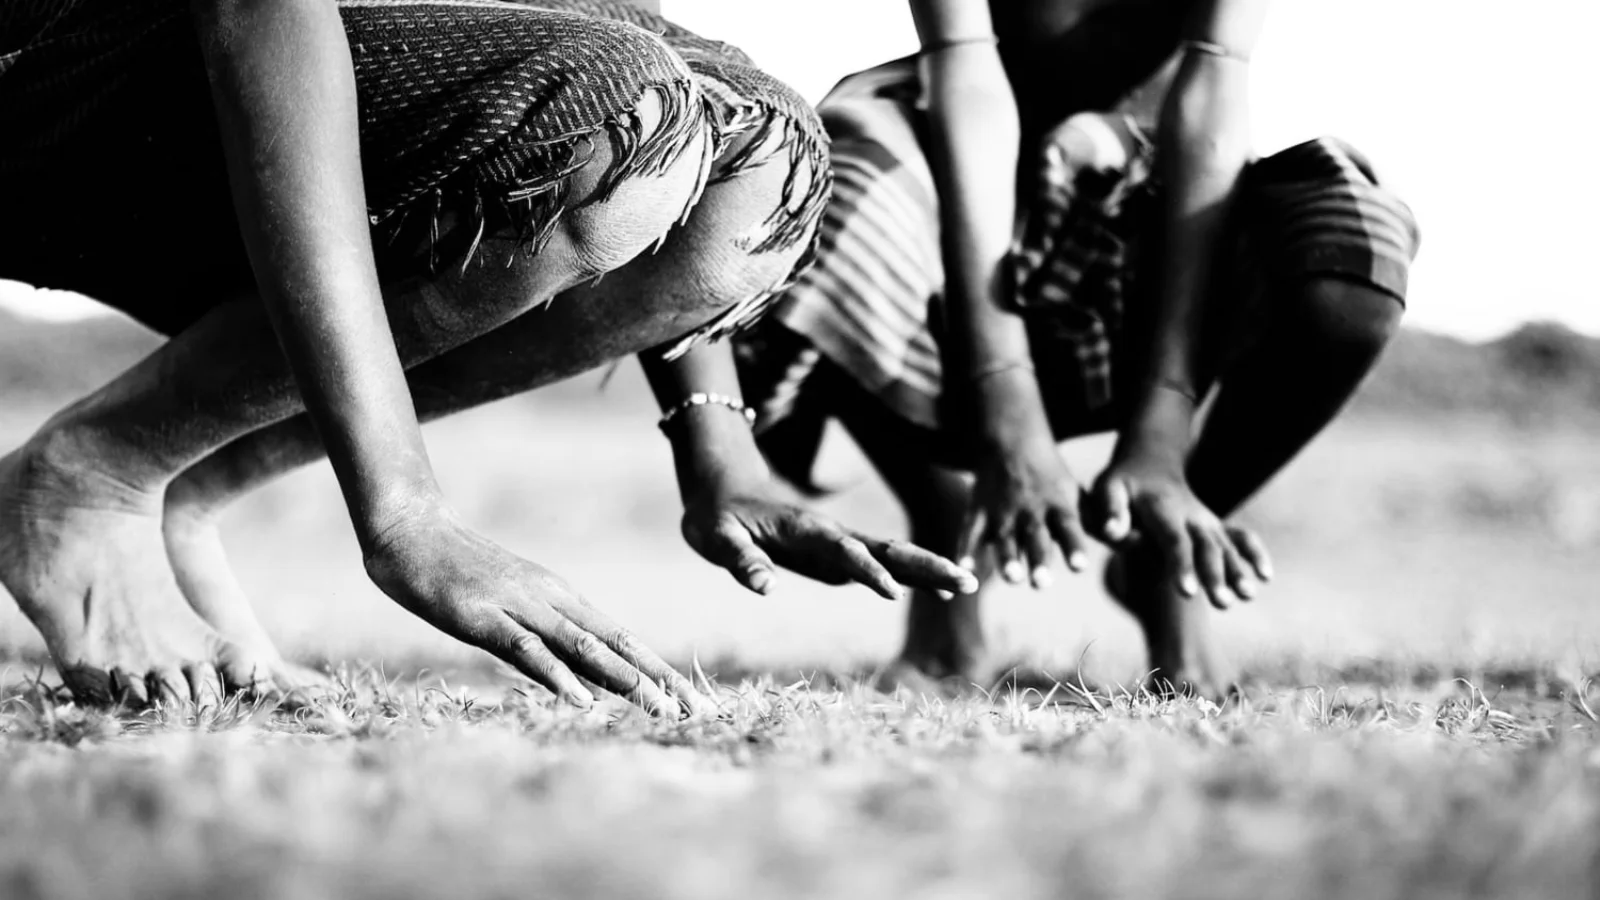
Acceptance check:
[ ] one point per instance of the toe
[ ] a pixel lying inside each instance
(167, 685)
(205, 685)
(128, 689)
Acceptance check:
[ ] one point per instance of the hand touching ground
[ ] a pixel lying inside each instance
(476, 591)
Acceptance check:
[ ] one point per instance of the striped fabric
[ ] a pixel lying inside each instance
(872, 306)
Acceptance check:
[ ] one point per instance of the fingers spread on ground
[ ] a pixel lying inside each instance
(524, 650)
(205, 685)
(167, 685)
(630, 648)
(588, 656)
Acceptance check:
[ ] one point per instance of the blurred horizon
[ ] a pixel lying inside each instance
(1468, 113)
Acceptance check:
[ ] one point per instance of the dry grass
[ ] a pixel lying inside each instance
(1419, 723)
(804, 790)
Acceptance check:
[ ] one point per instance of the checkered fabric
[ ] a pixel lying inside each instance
(872, 306)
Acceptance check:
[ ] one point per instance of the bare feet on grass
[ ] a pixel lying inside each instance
(945, 653)
(193, 539)
(1184, 657)
(81, 551)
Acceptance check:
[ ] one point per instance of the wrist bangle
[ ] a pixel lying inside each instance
(1177, 387)
(939, 46)
(703, 398)
(998, 368)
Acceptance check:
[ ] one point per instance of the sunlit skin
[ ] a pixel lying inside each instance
(1162, 501)
(108, 516)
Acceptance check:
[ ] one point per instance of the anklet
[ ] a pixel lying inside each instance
(703, 398)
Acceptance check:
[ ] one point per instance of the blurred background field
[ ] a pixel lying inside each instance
(1450, 524)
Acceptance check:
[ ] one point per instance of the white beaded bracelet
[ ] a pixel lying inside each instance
(702, 398)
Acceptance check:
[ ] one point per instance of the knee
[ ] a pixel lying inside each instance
(752, 227)
(627, 196)
(1348, 316)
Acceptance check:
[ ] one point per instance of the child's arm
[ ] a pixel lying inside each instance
(1024, 497)
(1203, 146)
(285, 93)
(736, 515)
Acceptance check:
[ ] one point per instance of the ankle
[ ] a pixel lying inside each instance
(69, 456)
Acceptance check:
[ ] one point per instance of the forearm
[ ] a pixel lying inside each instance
(712, 445)
(975, 137)
(1202, 149)
(285, 93)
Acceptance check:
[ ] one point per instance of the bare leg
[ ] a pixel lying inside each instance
(1279, 397)
(944, 648)
(81, 543)
(699, 271)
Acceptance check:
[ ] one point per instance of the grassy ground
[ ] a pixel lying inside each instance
(810, 790)
(1418, 721)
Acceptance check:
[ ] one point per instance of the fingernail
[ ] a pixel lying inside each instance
(1246, 590)
(1266, 573)
(1042, 577)
(968, 563)
(969, 584)
(1188, 585)
(1015, 572)
(1078, 561)
(946, 596)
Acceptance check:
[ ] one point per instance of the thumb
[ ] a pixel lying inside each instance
(732, 548)
(1114, 505)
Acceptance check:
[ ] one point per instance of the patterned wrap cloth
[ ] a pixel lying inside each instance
(868, 318)
(473, 112)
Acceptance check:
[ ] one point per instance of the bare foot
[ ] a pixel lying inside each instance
(1184, 657)
(81, 552)
(945, 651)
(199, 562)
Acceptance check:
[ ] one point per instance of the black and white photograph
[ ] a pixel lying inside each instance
(949, 449)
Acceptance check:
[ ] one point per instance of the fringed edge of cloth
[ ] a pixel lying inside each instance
(788, 224)
(488, 197)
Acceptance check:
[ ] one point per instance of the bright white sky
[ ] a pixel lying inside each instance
(1475, 112)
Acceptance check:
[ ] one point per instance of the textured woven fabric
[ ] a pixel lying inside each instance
(872, 306)
(757, 120)
(472, 112)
